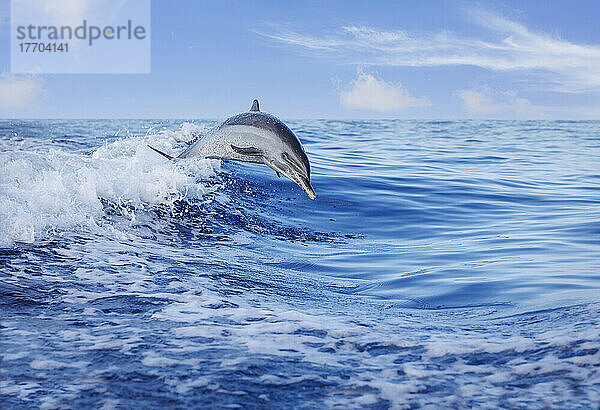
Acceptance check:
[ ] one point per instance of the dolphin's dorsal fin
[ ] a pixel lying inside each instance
(251, 151)
(255, 106)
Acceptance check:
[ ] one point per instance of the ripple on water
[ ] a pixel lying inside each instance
(444, 263)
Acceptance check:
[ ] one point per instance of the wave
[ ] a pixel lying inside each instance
(429, 272)
(49, 190)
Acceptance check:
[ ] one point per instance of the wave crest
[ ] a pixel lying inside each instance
(49, 190)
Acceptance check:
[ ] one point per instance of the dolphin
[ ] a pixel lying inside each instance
(258, 137)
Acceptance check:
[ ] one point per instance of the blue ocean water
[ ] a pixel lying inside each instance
(443, 264)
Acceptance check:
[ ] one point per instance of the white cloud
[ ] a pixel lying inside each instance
(484, 102)
(17, 92)
(367, 92)
(58, 12)
(561, 64)
(477, 101)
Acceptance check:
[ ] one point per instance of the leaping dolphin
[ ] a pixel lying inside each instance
(255, 136)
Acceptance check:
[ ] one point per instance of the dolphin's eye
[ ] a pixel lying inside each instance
(291, 162)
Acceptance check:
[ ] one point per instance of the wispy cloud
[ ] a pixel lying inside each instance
(368, 92)
(19, 92)
(564, 65)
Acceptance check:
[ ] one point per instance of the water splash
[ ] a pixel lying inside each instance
(52, 190)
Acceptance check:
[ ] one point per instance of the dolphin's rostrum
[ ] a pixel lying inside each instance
(255, 136)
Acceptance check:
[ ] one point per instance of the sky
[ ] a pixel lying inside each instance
(338, 59)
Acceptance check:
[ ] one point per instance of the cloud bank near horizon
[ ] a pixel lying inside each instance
(20, 92)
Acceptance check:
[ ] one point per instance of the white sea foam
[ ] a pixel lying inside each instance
(399, 384)
(41, 364)
(273, 330)
(47, 192)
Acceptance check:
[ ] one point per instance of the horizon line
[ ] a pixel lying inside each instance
(295, 119)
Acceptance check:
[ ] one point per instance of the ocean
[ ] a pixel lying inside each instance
(444, 264)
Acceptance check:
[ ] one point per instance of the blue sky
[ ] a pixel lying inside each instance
(339, 59)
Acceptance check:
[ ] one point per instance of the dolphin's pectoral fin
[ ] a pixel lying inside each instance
(160, 152)
(255, 106)
(251, 151)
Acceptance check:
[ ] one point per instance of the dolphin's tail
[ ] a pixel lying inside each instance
(161, 153)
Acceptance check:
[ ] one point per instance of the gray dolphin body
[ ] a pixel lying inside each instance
(258, 137)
